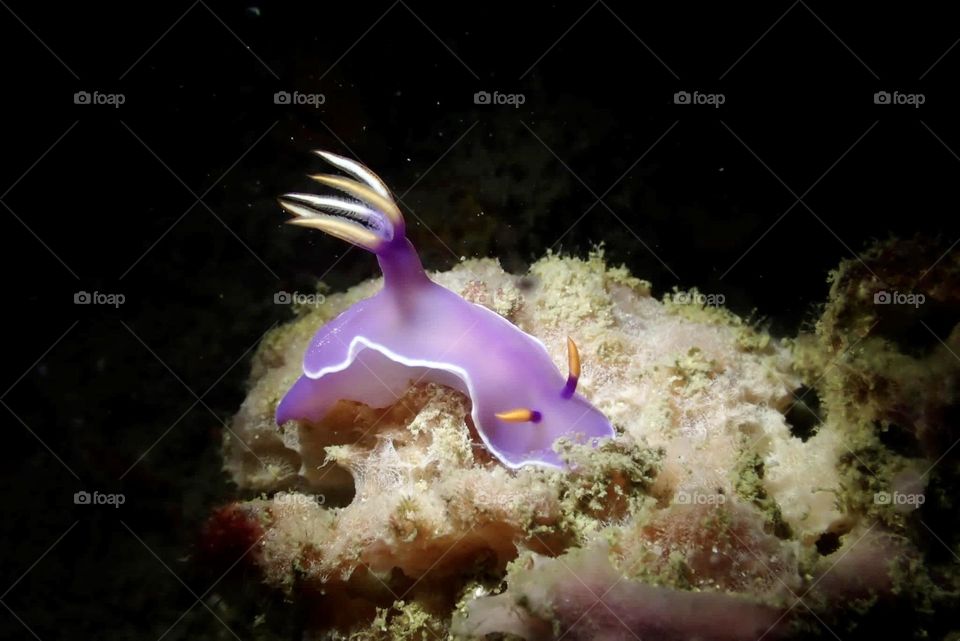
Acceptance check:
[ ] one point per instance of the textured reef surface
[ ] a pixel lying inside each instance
(756, 487)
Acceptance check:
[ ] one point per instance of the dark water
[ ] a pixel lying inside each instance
(168, 201)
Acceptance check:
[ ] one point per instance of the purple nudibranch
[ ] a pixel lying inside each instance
(415, 330)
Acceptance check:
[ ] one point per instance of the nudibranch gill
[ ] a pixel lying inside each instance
(415, 330)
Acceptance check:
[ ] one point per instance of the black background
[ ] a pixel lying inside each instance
(169, 200)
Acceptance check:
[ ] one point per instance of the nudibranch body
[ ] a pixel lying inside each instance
(414, 330)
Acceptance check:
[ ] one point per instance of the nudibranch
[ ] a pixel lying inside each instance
(415, 330)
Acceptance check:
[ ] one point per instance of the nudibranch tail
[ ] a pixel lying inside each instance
(369, 218)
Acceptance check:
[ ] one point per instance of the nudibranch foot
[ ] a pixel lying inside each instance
(310, 399)
(414, 330)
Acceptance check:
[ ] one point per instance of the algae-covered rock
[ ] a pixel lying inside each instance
(708, 515)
